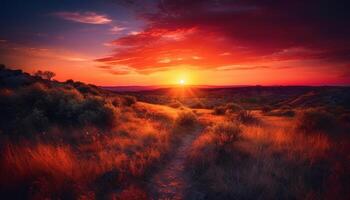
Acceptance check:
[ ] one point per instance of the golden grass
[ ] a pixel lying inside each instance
(157, 109)
(143, 136)
(271, 157)
(20, 161)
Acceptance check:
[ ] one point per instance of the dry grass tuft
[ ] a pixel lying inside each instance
(226, 133)
(246, 117)
(186, 119)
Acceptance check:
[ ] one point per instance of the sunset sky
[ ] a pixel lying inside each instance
(150, 42)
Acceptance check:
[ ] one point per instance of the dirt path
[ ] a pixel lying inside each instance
(171, 182)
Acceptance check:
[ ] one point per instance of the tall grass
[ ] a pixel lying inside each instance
(40, 171)
(96, 164)
(316, 120)
(270, 161)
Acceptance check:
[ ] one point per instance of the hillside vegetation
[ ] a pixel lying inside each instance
(70, 140)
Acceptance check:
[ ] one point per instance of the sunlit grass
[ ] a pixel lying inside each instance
(264, 154)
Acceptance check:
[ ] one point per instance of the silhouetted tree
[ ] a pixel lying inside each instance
(45, 74)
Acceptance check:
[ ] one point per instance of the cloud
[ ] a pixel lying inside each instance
(84, 17)
(239, 67)
(225, 33)
(249, 67)
(33, 52)
(76, 59)
(225, 54)
(117, 29)
(117, 69)
(134, 32)
(164, 60)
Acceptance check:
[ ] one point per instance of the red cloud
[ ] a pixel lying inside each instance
(216, 33)
(85, 17)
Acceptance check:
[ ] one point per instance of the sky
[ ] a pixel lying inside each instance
(160, 42)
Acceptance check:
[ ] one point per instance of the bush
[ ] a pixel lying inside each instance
(36, 121)
(314, 120)
(266, 109)
(246, 117)
(232, 107)
(117, 102)
(129, 100)
(186, 119)
(219, 110)
(283, 113)
(228, 108)
(36, 108)
(287, 113)
(226, 133)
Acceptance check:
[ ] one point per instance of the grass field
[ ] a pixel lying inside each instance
(70, 140)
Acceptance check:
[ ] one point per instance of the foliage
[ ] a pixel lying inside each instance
(219, 110)
(186, 119)
(37, 107)
(129, 100)
(226, 133)
(228, 108)
(246, 117)
(45, 74)
(316, 120)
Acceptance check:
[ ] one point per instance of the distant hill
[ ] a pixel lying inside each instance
(322, 96)
(130, 88)
(249, 96)
(156, 87)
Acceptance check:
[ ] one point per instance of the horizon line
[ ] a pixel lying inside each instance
(243, 85)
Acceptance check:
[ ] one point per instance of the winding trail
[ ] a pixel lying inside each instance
(171, 182)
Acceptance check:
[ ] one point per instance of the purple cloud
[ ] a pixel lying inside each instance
(84, 17)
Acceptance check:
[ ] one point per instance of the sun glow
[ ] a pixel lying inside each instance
(182, 82)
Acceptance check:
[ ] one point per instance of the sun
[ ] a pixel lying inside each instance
(182, 82)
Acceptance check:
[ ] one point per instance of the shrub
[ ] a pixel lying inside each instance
(287, 113)
(219, 110)
(283, 113)
(37, 107)
(117, 102)
(129, 100)
(246, 117)
(45, 74)
(87, 89)
(36, 121)
(232, 107)
(315, 120)
(226, 133)
(228, 108)
(102, 116)
(186, 119)
(266, 109)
